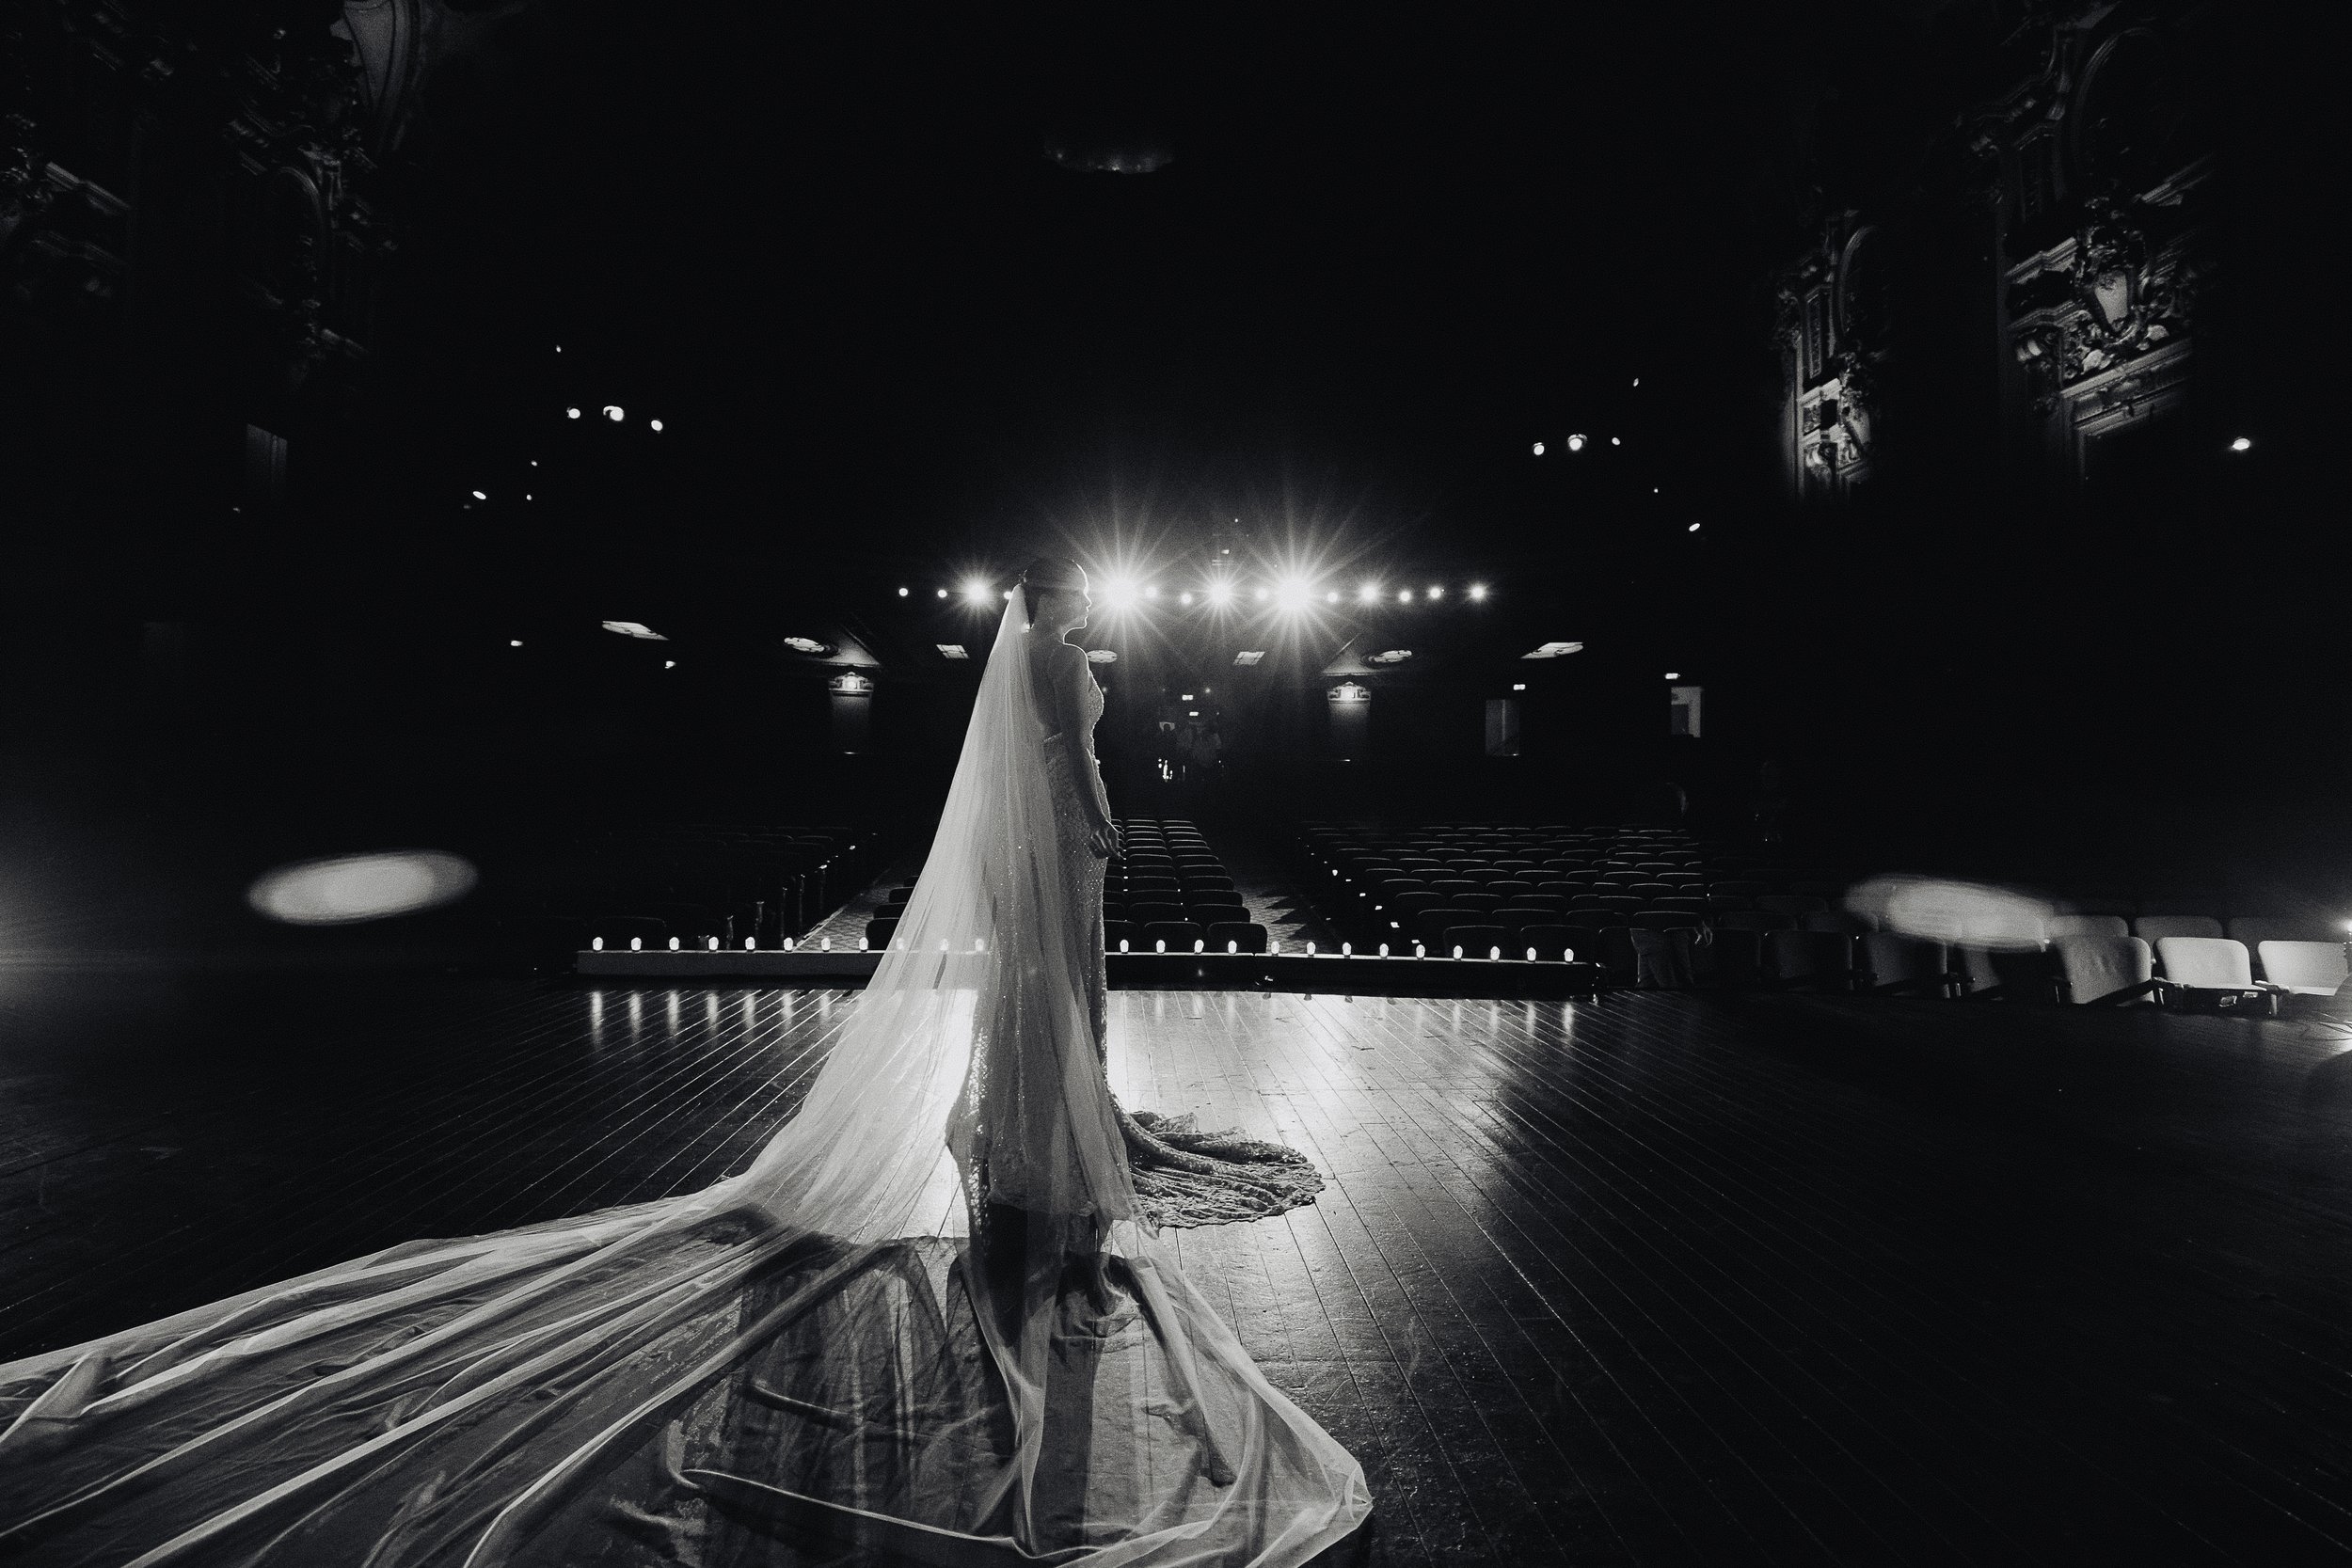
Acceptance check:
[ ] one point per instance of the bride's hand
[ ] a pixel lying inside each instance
(1104, 840)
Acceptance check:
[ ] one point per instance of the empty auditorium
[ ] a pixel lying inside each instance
(841, 787)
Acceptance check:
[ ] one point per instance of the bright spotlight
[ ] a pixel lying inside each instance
(902, 592)
(1615, 442)
(1478, 591)
(2241, 444)
(942, 593)
(513, 642)
(1692, 529)
(1405, 596)
(612, 412)
(1333, 598)
(1259, 595)
(1185, 597)
(976, 592)
(1293, 594)
(1153, 591)
(1436, 590)
(1122, 595)
(571, 413)
(1220, 592)
(1576, 443)
(1540, 448)
(480, 497)
(655, 423)
(1368, 593)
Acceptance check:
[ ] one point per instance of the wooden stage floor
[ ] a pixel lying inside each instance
(1661, 1279)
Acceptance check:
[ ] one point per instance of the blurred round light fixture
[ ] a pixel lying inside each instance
(612, 412)
(1478, 591)
(2241, 444)
(1576, 443)
(1540, 448)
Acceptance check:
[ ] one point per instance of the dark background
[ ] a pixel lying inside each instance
(897, 338)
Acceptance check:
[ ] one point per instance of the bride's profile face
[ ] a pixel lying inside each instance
(1070, 607)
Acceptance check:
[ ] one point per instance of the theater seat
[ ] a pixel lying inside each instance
(1116, 931)
(2105, 969)
(1553, 944)
(1897, 965)
(1145, 913)
(2305, 968)
(1249, 937)
(2089, 925)
(1430, 925)
(1476, 942)
(2206, 963)
(878, 933)
(1179, 934)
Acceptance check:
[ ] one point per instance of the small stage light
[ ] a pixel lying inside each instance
(571, 413)
(1576, 443)
(1199, 945)
(1457, 952)
(1478, 591)
(789, 944)
(860, 944)
(636, 944)
(714, 944)
(1674, 675)
(1692, 529)
(595, 944)
(942, 593)
(747, 943)
(1518, 686)
(612, 412)
(1436, 590)
(534, 462)
(1419, 951)
(558, 348)
(1494, 953)
(527, 498)
(1540, 448)
(1231, 946)
(1405, 596)
(1259, 595)
(1530, 955)
(513, 642)
(1333, 598)
(480, 497)
(1183, 597)
(902, 592)
(669, 664)
(1615, 442)
(2241, 444)
(1384, 949)
(1123, 944)
(1348, 950)
(1310, 950)
(1153, 591)
(655, 423)
(1160, 945)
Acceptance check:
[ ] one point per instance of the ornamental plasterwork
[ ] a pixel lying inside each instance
(2122, 289)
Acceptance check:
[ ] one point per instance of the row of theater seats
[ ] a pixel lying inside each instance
(1166, 890)
(661, 884)
(1655, 907)
(1446, 886)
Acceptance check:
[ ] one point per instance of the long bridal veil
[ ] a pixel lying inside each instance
(929, 1324)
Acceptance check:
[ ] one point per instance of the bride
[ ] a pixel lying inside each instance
(932, 1322)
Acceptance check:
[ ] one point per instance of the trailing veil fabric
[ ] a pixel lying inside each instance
(931, 1322)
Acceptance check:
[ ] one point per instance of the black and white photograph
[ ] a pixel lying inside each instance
(1173, 787)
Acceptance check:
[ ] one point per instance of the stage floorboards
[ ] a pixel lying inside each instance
(1661, 1278)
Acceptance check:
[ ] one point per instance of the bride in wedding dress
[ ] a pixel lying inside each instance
(932, 1322)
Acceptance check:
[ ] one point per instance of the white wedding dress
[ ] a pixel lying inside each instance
(931, 1323)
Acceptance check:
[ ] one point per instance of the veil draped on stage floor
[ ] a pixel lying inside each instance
(931, 1323)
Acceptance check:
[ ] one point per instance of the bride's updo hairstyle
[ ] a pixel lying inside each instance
(1049, 573)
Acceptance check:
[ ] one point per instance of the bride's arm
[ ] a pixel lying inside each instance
(1069, 667)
